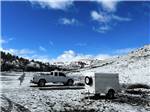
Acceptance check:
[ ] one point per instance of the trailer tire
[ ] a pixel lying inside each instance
(88, 80)
(110, 94)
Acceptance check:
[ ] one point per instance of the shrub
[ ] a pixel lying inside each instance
(133, 86)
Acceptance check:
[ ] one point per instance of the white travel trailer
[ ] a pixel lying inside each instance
(102, 83)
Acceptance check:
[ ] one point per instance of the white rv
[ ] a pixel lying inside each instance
(102, 83)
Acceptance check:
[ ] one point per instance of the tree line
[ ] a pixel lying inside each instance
(11, 62)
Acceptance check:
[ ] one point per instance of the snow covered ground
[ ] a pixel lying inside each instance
(132, 68)
(16, 98)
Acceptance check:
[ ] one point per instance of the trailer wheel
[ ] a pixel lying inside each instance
(110, 94)
(88, 80)
(41, 83)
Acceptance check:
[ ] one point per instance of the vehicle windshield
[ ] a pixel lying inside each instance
(62, 74)
(51, 73)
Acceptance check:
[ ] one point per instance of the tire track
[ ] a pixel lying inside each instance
(12, 106)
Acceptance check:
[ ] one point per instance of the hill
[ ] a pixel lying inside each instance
(132, 68)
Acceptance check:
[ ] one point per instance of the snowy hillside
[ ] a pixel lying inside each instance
(132, 68)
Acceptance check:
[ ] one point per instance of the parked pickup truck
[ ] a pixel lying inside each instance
(55, 77)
